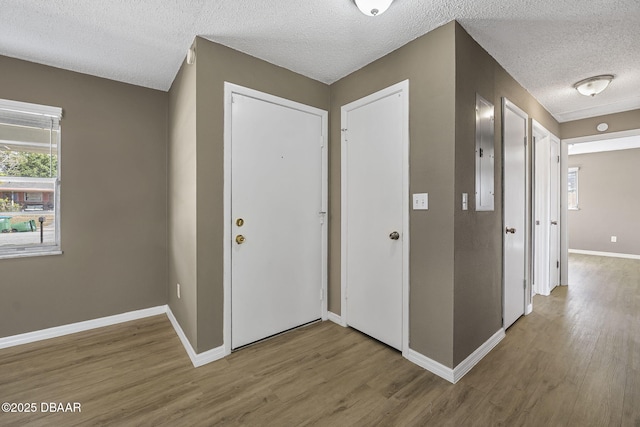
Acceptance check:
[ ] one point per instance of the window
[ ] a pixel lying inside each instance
(573, 188)
(29, 179)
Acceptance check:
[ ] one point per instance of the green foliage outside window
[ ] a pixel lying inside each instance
(24, 164)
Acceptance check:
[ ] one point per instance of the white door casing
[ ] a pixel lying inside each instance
(276, 182)
(546, 237)
(554, 212)
(374, 206)
(541, 206)
(514, 128)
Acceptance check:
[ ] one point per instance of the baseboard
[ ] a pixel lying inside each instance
(430, 365)
(197, 359)
(454, 375)
(529, 309)
(609, 254)
(72, 328)
(335, 318)
(472, 360)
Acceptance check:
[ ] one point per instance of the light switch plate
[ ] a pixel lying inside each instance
(421, 201)
(465, 201)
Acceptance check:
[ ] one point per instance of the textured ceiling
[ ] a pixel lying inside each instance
(546, 45)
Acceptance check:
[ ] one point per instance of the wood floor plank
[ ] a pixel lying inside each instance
(575, 361)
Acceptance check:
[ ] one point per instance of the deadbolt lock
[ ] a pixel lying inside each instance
(240, 239)
(239, 222)
(510, 230)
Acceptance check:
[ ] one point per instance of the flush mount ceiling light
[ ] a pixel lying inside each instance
(373, 7)
(593, 85)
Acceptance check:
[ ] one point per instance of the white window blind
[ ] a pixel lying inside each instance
(29, 178)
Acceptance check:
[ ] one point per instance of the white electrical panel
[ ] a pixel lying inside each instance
(421, 201)
(484, 154)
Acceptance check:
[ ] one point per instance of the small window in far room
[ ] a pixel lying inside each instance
(29, 179)
(573, 188)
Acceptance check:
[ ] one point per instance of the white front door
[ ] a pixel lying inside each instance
(554, 213)
(374, 207)
(276, 215)
(514, 124)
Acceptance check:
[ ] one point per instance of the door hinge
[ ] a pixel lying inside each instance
(557, 264)
(321, 141)
(481, 152)
(322, 215)
(525, 140)
(524, 282)
(558, 159)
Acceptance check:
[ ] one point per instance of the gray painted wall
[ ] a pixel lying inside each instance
(113, 202)
(181, 209)
(617, 122)
(478, 235)
(197, 123)
(608, 202)
(429, 64)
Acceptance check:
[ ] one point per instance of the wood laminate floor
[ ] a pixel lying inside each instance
(575, 361)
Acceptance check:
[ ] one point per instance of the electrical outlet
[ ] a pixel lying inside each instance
(178, 289)
(614, 239)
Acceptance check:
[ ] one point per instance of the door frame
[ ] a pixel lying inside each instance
(401, 87)
(564, 211)
(229, 90)
(538, 130)
(528, 307)
(538, 134)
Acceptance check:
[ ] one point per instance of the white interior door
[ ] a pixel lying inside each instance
(546, 259)
(541, 210)
(374, 200)
(276, 216)
(514, 123)
(554, 213)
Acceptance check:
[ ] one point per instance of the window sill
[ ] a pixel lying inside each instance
(573, 209)
(29, 254)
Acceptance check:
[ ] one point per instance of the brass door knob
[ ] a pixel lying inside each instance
(394, 235)
(240, 239)
(510, 230)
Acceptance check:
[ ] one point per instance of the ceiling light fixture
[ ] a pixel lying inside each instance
(373, 7)
(593, 85)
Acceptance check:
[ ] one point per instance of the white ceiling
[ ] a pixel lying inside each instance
(546, 45)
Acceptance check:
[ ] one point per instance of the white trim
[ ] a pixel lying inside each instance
(608, 254)
(30, 253)
(529, 308)
(454, 375)
(401, 87)
(472, 360)
(602, 136)
(430, 365)
(86, 325)
(229, 90)
(506, 104)
(26, 107)
(336, 319)
(197, 359)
